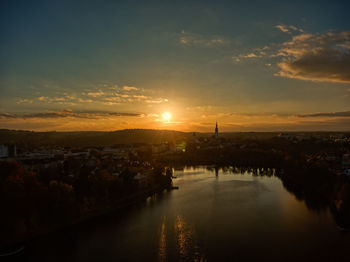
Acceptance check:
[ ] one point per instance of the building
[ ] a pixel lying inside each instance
(8, 151)
(216, 135)
(346, 161)
(4, 151)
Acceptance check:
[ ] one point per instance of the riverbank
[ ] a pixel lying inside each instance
(119, 205)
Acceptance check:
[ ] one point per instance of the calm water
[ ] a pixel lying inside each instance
(221, 217)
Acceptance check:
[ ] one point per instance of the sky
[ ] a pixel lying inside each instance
(110, 65)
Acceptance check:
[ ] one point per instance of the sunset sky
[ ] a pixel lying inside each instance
(109, 65)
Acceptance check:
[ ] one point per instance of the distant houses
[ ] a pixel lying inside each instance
(297, 137)
(346, 161)
(8, 151)
(4, 152)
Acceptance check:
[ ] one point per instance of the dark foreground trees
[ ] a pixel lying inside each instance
(33, 203)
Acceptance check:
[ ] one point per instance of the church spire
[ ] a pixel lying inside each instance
(216, 130)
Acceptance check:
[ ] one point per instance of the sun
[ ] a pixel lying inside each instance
(166, 116)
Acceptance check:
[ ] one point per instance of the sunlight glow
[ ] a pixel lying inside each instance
(166, 116)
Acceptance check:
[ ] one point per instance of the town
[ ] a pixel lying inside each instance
(47, 185)
(332, 149)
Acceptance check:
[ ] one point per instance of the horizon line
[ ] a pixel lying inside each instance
(173, 130)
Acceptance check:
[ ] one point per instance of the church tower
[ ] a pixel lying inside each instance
(216, 130)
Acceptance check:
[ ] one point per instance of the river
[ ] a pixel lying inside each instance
(213, 216)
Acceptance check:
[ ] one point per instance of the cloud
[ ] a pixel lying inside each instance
(186, 38)
(256, 53)
(7, 116)
(129, 88)
(111, 103)
(282, 28)
(140, 96)
(81, 100)
(68, 113)
(288, 28)
(43, 98)
(331, 114)
(65, 99)
(96, 93)
(114, 95)
(103, 95)
(24, 101)
(157, 101)
(251, 55)
(317, 57)
(247, 56)
(113, 99)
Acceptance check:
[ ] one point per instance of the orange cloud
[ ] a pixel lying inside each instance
(288, 28)
(129, 88)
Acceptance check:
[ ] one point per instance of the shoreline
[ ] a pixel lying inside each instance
(90, 216)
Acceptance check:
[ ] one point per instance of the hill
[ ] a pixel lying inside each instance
(90, 138)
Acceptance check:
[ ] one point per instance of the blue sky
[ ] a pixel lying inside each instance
(251, 65)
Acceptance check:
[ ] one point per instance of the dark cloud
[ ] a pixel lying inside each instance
(317, 57)
(7, 116)
(331, 114)
(68, 113)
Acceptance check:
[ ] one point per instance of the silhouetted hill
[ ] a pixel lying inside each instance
(129, 136)
(91, 138)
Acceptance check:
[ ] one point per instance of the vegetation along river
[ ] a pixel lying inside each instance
(215, 215)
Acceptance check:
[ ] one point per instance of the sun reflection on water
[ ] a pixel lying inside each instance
(162, 249)
(188, 248)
